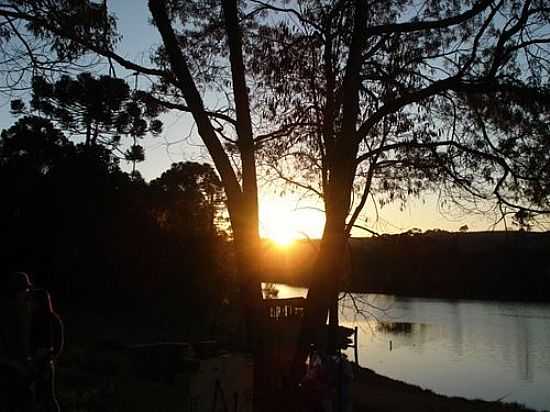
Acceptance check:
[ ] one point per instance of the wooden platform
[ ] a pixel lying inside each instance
(285, 316)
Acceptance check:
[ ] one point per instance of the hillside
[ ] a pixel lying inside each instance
(483, 265)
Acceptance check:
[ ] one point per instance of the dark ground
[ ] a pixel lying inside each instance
(94, 356)
(376, 393)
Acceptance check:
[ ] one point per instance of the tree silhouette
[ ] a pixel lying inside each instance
(385, 100)
(177, 75)
(100, 109)
(174, 73)
(30, 49)
(85, 229)
(34, 142)
(188, 195)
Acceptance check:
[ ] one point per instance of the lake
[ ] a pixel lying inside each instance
(473, 349)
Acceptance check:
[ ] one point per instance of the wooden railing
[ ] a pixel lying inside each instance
(291, 310)
(281, 309)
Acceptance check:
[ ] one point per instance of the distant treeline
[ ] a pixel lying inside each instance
(482, 265)
(102, 239)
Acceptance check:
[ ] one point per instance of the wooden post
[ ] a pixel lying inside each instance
(355, 335)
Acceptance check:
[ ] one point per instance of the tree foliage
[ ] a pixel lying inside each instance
(188, 195)
(428, 94)
(32, 141)
(386, 100)
(411, 96)
(99, 109)
(85, 229)
(34, 37)
(180, 88)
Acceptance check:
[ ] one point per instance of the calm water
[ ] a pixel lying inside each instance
(473, 349)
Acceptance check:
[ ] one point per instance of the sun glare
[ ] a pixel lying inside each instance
(281, 222)
(282, 235)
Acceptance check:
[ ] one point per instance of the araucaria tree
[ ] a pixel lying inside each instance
(389, 98)
(99, 110)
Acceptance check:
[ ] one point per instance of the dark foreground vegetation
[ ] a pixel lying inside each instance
(91, 385)
(125, 261)
(103, 240)
(439, 264)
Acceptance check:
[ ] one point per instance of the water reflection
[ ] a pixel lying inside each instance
(474, 349)
(395, 328)
(525, 369)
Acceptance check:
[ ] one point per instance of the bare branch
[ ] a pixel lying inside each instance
(184, 108)
(293, 182)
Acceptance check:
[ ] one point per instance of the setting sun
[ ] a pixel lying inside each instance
(283, 222)
(282, 235)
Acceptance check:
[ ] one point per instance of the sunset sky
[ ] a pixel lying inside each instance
(282, 218)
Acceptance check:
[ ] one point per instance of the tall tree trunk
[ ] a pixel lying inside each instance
(330, 269)
(322, 293)
(95, 135)
(242, 201)
(341, 151)
(247, 217)
(247, 250)
(88, 134)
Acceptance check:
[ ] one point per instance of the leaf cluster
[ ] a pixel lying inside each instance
(101, 109)
(82, 19)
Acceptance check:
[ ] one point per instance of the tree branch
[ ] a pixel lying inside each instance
(191, 94)
(63, 32)
(184, 108)
(429, 25)
(245, 136)
(304, 186)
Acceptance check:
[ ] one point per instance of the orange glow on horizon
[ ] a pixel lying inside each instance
(284, 220)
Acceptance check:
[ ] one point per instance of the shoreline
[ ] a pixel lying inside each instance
(91, 383)
(84, 368)
(426, 296)
(373, 392)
